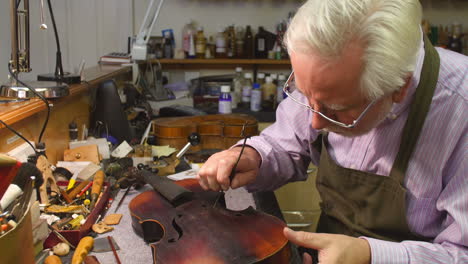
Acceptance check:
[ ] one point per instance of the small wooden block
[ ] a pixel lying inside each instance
(112, 219)
(102, 228)
(83, 153)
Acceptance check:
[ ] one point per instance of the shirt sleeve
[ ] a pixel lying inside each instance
(451, 243)
(284, 148)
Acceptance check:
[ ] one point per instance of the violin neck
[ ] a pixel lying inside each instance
(174, 193)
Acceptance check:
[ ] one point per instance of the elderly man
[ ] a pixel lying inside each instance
(384, 116)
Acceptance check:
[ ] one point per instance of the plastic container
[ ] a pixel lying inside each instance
(280, 95)
(188, 31)
(237, 83)
(256, 98)
(247, 88)
(225, 100)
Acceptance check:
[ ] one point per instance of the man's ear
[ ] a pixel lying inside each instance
(399, 95)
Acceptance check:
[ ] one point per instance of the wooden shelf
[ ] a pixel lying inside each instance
(221, 63)
(13, 112)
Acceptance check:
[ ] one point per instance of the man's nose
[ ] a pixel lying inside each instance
(318, 122)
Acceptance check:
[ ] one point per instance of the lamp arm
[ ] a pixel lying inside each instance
(139, 49)
(58, 65)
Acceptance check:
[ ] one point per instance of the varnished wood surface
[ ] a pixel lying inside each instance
(13, 112)
(28, 117)
(221, 61)
(195, 64)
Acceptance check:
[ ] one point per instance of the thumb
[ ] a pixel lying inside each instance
(305, 239)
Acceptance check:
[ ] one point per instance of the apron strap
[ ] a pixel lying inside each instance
(418, 111)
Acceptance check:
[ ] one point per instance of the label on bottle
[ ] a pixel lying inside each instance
(225, 107)
(200, 48)
(256, 100)
(261, 44)
(246, 91)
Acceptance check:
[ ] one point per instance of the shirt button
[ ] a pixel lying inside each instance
(392, 116)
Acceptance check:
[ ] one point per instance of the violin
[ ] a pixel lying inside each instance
(216, 131)
(182, 225)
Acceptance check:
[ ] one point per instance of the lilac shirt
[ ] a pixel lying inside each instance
(437, 175)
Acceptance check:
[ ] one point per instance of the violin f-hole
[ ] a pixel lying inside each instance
(153, 231)
(178, 229)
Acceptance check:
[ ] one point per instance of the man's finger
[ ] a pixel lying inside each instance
(306, 258)
(305, 239)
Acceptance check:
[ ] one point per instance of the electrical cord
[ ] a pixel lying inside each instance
(19, 135)
(38, 95)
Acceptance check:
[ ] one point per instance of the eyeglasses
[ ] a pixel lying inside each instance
(289, 88)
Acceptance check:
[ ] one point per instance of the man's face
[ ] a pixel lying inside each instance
(333, 88)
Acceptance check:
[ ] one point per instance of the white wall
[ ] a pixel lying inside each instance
(91, 28)
(212, 14)
(446, 12)
(87, 30)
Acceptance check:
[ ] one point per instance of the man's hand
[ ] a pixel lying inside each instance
(332, 248)
(215, 172)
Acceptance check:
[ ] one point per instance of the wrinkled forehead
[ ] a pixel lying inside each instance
(323, 78)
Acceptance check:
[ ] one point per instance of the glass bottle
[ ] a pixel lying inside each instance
(247, 89)
(239, 42)
(237, 83)
(225, 100)
(256, 98)
(268, 94)
(249, 47)
(279, 89)
(230, 42)
(260, 78)
(220, 44)
(261, 51)
(200, 44)
(455, 43)
(187, 31)
(167, 47)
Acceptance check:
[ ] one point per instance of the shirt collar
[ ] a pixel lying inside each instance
(397, 109)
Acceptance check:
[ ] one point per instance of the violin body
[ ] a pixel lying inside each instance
(195, 232)
(216, 131)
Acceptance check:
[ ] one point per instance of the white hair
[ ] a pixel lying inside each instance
(390, 29)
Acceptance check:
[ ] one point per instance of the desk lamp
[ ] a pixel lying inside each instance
(59, 74)
(19, 20)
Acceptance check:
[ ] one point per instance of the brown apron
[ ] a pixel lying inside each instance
(357, 203)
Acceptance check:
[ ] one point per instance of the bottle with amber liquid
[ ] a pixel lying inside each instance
(200, 44)
(249, 48)
(230, 42)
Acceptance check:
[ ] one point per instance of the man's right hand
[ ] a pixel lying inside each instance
(215, 172)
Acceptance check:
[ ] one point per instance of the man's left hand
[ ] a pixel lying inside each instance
(332, 248)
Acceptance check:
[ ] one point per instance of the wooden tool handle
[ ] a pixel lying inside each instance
(6, 160)
(98, 182)
(82, 250)
(52, 259)
(77, 189)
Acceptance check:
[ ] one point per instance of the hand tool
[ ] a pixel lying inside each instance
(84, 246)
(98, 182)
